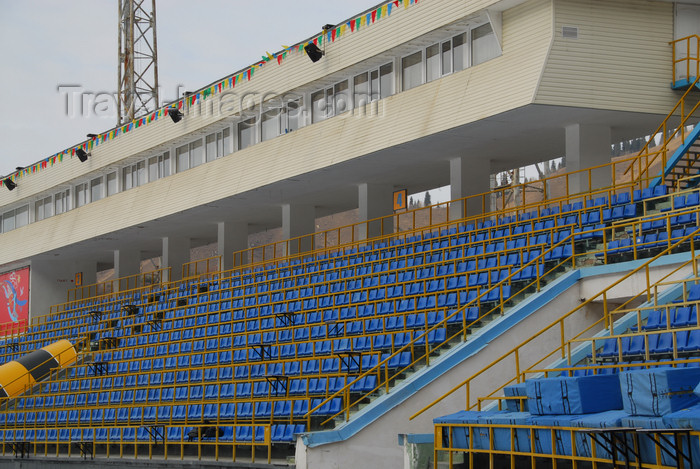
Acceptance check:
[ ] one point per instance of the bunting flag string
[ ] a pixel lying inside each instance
(351, 26)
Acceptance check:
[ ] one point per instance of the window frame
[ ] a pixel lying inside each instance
(420, 74)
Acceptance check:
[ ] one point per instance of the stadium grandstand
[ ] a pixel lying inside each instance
(546, 321)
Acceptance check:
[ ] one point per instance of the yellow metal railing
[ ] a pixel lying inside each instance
(202, 266)
(559, 327)
(685, 51)
(565, 444)
(686, 58)
(534, 195)
(386, 376)
(159, 445)
(114, 286)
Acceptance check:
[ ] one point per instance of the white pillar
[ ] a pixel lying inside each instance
(127, 262)
(232, 237)
(298, 221)
(176, 251)
(469, 177)
(586, 146)
(375, 201)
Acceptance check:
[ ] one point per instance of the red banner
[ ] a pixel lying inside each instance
(14, 301)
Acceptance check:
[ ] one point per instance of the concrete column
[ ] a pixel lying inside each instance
(469, 177)
(127, 262)
(51, 280)
(375, 201)
(232, 237)
(586, 146)
(176, 251)
(298, 220)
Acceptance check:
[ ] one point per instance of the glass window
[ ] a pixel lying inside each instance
(446, 58)
(226, 142)
(61, 202)
(127, 180)
(22, 216)
(111, 183)
(386, 77)
(153, 170)
(374, 84)
(141, 173)
(294, 109)
(361, 85)
(459, 52)
(412, 70)
(8, 221)
(96, 189)
(39, 210)
(165, 165)
(211, 147)
(43, 209)
(341, 97)
(432, 63)
(318, 106)
(81, 195)
(182, 157)
(196, 153)
(246, 133)
(484, 44)
(270, 124)
(48, 207)
(218, 144)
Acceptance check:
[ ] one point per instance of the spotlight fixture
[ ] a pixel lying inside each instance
(91, 135)
(175, 115)
(19, 168)
(82, 155)
(326, 27)
(10, 184)
(313, 52)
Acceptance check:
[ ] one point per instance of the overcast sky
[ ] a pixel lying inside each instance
(48, 43)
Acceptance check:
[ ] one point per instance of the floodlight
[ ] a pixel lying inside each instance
(175, 115)
(82, 155)
(313, 52)
(10, 184)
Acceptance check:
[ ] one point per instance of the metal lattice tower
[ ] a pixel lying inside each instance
(138, 59)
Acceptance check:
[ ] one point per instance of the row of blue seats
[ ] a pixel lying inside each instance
(661, 344)
(617, 199)
(592, 370)
(165, 413)
(648, 242)
(317, 325)
(682, 316)
(183, 388)
(511, 262)
(279, 433)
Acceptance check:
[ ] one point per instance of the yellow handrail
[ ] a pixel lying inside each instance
(686, 45)
(201, 266)
(383, 365)
(346, 235)
(129, 282)
(557, 325)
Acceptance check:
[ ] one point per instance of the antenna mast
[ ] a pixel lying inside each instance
(138, 59)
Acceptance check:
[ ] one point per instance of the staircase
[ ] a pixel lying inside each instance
(681, 169)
